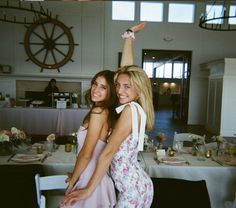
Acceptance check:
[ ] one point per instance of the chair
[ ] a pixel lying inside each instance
(18, 185)
(43, 183)
(173, 192)
(186, 139)
(234, 203)
(230, 204)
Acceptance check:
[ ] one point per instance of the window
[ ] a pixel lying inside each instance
(214, 11)
(159, 71)
(181, 13)
(169, 70)
(164, 70)
(123, 10)
(151, 11)
(148, 66)
(232, 12)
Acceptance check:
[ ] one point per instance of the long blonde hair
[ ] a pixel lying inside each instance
(142, 85)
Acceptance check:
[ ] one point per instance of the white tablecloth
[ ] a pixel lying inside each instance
(221, 180)
(42, 121)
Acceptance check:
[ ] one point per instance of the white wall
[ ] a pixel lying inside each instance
(99, 40)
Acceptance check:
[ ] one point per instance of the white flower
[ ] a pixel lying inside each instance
(51, 137)
(219, 139)
(146, 139)
(4, 138)
(14, 130)
(74, 134)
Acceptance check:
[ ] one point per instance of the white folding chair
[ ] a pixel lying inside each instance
(187, 137)
(230, 204)
(181, 139)
(43, 183)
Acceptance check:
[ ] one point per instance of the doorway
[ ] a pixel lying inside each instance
(169, 71)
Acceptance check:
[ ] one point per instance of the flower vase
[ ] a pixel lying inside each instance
(22, 147)
(159, 145)
(218, 148)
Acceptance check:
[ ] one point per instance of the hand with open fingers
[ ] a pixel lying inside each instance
(73, 197)
(138, 27)
(69, 189)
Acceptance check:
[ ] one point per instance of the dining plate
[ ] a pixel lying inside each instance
(187, 150)
(225, 160)
(173, 161)
(23, 158)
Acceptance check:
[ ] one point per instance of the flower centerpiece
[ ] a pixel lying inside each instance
(160, 138)
(51, 138)
(12, 140)
(50, 142)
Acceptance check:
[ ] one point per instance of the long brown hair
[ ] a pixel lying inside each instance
(110, 101)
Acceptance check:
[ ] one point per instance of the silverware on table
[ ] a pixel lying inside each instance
(8, 160)
(44, 158)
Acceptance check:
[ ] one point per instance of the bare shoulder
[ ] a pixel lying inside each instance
(99, 110)
(126, 113)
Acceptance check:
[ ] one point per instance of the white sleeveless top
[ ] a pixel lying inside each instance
(135, 108)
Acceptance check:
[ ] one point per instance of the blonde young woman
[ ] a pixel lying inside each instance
(92, 138)
(133, 89)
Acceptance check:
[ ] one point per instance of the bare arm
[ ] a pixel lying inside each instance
(119, 134)
(127, 57)
(96, 123)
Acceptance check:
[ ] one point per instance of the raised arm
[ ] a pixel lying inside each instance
(127, 57)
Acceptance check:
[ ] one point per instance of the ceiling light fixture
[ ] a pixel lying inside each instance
(37, 12)
(218, 17)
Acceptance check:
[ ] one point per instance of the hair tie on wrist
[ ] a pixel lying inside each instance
(128, 34)
(129, 30)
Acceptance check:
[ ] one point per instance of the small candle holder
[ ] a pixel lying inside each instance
(39, 149)
(208, 153)
(68, 147)
(171, 153)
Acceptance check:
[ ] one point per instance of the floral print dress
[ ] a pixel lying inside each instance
(133, 183)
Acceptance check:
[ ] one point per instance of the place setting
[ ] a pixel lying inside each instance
(226, 154)
(37, 152)
(30, 155)
(170, 157)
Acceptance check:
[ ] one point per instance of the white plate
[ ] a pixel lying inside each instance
(173, 161)
(26, 158)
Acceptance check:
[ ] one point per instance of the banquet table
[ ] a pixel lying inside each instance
(58, 162)
(220, 180)
(42, 121)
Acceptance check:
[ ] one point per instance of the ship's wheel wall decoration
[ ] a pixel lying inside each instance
(49, 43)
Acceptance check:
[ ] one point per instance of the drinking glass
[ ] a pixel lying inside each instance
(48, 146)
(201, 149)
(178, 146)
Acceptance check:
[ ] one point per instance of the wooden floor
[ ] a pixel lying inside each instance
(168, 124)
